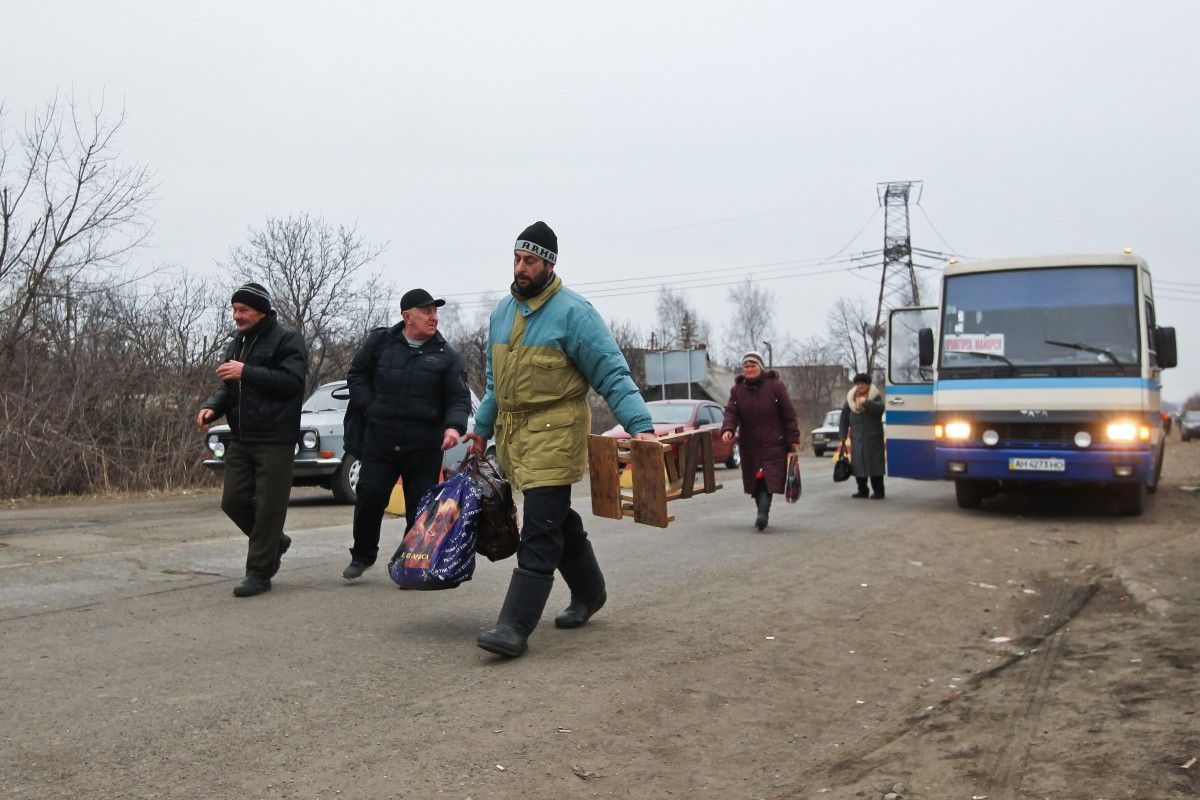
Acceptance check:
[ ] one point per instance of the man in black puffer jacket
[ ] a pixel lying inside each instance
(264, 372)
(410, 386)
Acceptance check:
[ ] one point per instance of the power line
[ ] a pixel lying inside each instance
(463, 255)
(925, 214)
(639, 282)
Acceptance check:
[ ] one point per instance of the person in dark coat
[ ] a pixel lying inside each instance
(262, 389)
(410, 387)
(761, 414)
(862, 418)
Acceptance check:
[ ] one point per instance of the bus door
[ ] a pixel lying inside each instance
(908, 420)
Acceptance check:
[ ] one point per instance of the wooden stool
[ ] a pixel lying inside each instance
(659, 475)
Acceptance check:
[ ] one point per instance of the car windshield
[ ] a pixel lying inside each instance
(1192, 416)
(323, 400)
(1078, 318)
(832, 419)
(670, 414)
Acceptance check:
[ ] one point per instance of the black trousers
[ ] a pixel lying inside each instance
(258, 483)
(551, 531)
(876, 484)
(419, 469)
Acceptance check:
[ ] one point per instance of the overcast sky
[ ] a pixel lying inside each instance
(661, 140)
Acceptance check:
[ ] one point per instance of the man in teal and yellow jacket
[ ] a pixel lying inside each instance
(546, 346)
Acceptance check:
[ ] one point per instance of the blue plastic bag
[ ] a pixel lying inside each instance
(439, 549)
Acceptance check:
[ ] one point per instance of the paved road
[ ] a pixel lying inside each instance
(846, 650)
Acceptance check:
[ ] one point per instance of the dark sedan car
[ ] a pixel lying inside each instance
(1189, 425)
(669, 415)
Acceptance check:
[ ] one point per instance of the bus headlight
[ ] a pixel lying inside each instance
(1121, 431)
(1083, 439)
(958, 430)
(990, 438)
(309, 440)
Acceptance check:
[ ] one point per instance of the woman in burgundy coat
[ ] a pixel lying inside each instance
(761, 414)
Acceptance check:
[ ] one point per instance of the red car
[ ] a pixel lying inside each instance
(669, 415)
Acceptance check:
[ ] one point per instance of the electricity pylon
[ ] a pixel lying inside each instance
(898, 283)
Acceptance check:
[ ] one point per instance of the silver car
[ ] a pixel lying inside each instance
(826, 437)
(321, 459)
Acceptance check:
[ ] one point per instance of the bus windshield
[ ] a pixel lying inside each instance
(1069, 320)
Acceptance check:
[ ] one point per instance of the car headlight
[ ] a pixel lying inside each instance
(309, 439)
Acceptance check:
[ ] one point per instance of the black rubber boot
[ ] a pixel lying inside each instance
(527, 595)
(763, 500)
(586, 580)
(862, 488)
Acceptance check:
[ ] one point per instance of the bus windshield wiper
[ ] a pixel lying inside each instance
(1087, 348)
(993, 356)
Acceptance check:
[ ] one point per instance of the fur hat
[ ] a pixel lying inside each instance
(539, 240)
(254, 295)
(862, 377)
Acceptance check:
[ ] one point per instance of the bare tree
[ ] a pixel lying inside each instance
(313, 271)
(469, 334)
(70, 211)
(853, 337)
(816, 380)
(679, 324)
(752, 319)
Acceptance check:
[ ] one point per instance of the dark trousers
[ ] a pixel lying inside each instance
(551, 532)
(419, 469)
(258, 483)
(876, 484)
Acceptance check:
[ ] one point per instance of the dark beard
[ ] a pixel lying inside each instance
(533, 289)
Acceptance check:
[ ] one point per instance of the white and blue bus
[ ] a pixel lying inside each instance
(1031, 371)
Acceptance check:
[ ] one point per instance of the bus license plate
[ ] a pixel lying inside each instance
(1037, 464)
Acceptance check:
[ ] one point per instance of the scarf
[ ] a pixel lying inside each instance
(855, 402)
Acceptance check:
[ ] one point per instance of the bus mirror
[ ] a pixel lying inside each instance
(925, 346)
(1164, 347)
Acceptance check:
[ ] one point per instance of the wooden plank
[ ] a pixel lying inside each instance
(602, 468)
(690, 454)
(672, 438)
(649, 489)
(629, 513)
(710, 476)
(672, 469)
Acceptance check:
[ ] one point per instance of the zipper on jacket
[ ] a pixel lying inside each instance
(242, 356)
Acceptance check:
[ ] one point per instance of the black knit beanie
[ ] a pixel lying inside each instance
(254, 295)
(539, 240)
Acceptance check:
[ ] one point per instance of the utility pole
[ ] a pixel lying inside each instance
(898, 283)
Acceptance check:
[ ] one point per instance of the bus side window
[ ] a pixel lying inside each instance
(1150, 323)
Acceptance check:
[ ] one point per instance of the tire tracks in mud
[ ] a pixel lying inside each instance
(1030, 670)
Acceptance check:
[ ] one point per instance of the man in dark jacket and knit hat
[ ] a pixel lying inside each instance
(262, 389)
(411, 388)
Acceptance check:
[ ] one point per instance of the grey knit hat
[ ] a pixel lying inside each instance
(254, 295)
(755, 356)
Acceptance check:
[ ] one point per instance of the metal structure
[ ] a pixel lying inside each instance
(898, 282)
